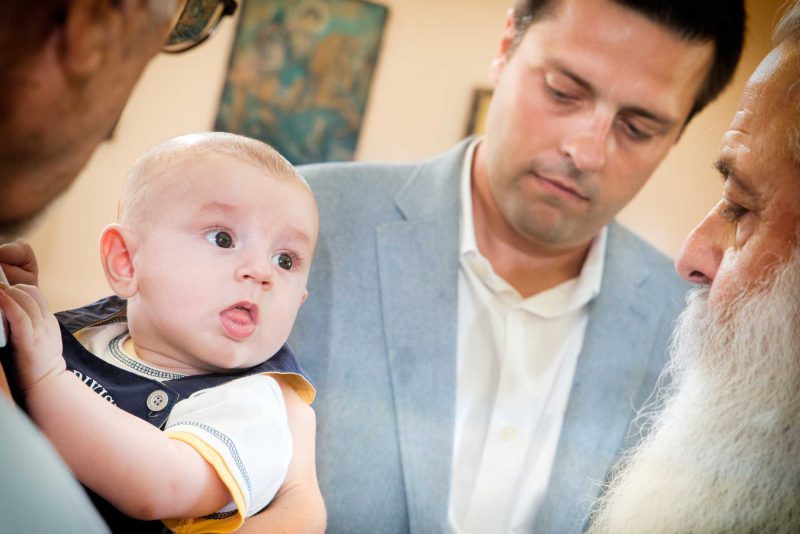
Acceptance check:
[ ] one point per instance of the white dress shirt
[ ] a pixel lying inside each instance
(516, 362)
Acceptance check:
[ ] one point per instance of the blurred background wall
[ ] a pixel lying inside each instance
(434, 54)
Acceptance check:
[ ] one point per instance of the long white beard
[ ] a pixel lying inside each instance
(723, 454)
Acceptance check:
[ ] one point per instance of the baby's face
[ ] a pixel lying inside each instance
(221, 265)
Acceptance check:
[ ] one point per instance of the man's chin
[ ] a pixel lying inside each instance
(21, 227)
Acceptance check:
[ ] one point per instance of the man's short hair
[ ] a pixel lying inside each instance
(718, 21)
(788, 29)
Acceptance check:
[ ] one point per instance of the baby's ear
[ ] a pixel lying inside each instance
(118, 245)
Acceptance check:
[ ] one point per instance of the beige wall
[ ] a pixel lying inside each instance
(434, 53)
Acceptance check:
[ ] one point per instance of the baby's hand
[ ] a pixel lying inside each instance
(19, 262)
(35, 334)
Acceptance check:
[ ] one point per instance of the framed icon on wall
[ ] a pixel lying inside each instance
(299, 75)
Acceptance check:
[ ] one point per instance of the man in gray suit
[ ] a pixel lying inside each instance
(480, 330)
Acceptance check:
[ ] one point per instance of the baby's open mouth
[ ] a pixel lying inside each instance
(240, 320)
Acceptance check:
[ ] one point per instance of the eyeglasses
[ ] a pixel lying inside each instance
(196, 21)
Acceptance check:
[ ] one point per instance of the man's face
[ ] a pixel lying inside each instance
(59, 111)
(584, 109)
(221, 264)
(753, 228)
(722, 453)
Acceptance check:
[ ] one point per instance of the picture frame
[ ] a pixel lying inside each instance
(299, 75)
(479, 108)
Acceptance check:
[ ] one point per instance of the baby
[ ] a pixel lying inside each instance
(166, 404)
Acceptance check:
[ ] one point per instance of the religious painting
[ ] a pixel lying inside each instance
(300, 73)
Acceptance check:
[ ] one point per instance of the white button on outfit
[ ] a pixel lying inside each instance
(516, 362)
(157, 400)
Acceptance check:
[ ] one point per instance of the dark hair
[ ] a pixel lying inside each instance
(719, 21)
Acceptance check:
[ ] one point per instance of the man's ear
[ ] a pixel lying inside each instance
(118, 245)
(504, 49)
(91, 27)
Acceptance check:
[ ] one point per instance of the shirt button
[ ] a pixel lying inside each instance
(157, 401)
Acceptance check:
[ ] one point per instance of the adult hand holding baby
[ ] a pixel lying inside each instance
(17, 266)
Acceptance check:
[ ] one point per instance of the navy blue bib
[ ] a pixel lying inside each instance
(130, 391)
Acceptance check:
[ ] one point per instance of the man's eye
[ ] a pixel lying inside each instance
(636, 133)
(560, 96)
(220, 238)
(635, 128)
(733, 212)
(284, 261)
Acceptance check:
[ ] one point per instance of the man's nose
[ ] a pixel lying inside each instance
(256, 267)
(588, 144)
(702, 252)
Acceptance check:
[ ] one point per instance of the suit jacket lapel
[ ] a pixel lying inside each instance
(418, 266)
(611, 368)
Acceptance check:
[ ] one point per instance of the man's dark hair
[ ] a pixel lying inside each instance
(718, 21)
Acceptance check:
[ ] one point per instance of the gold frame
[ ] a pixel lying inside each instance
(476, 123)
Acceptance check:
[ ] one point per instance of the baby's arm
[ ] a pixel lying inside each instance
(130, 463)
(298, 506)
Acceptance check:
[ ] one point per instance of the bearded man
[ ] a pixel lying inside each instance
(723, 454)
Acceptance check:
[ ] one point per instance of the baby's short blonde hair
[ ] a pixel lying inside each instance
(142, 180)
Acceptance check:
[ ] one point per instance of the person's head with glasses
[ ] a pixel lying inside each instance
(67, 67)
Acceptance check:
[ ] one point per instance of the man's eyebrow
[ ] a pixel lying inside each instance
(727, 168)
(635, 110)
(574, 77)
(649, 115)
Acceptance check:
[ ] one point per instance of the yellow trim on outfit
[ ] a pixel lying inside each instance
(303, 387)
(196, 525)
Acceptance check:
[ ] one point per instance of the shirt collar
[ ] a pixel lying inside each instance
(564, 298)
(467, 239)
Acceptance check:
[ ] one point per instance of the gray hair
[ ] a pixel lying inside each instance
(788, 29)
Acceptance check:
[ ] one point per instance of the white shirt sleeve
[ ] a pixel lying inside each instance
(244, 421)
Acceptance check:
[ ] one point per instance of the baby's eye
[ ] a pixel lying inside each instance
(220, 238)
(283, 260)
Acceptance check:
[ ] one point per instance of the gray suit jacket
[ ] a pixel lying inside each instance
(378, 335)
